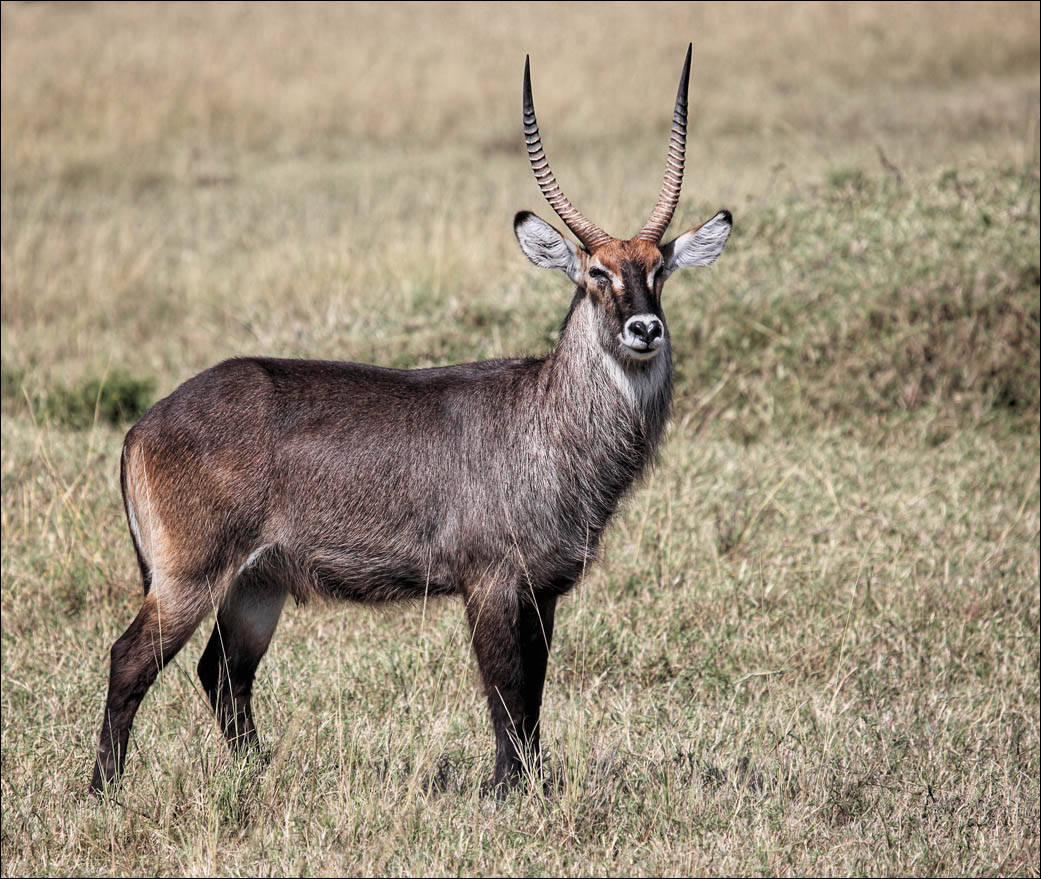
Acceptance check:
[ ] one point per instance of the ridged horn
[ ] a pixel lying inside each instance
(589, 234)
(669, 197)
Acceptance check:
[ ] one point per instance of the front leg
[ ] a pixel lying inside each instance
(535, 617)
(511, 636)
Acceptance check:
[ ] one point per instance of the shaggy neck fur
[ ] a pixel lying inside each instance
(601, 419)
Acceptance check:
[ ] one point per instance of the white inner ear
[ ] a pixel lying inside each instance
(546, 247)
(698, 247)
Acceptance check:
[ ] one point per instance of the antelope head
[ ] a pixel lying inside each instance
(623, 279)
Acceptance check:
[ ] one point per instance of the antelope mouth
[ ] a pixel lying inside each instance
(640, 350)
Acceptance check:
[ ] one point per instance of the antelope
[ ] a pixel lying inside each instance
(262, 478)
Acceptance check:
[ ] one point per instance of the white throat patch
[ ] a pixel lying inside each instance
(638, 386)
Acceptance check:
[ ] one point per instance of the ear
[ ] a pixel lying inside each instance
(698, 247)
(545, 246)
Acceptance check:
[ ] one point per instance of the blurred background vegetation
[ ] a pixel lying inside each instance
(813, 647)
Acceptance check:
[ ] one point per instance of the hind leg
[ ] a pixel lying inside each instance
(246, 621)
(157, 633)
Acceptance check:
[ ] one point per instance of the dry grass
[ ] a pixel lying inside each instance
(812, 644)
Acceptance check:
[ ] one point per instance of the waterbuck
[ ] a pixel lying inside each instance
(263, 478)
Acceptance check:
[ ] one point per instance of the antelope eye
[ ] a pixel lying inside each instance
(601, 278)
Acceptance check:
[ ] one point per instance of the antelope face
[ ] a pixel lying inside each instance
(623, 279)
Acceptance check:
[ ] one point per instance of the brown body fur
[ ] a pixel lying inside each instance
(267, 478)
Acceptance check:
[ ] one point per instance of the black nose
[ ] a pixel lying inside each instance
(646, 331)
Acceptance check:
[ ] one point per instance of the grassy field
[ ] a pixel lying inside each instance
(811, 647)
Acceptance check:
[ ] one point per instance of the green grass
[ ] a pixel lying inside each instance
(811, 644)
